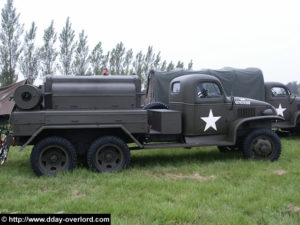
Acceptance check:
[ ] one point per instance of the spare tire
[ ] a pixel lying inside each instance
(27, 97)
(156, 105)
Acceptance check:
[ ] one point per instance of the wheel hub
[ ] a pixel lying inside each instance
(53, 158)
(263, 147)
(108, 156)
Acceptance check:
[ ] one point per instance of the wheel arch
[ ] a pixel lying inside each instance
(243, 126)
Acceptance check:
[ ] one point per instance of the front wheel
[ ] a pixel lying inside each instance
(262, 144)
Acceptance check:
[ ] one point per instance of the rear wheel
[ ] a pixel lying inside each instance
(262, 144)
(53, 155)
(108, 154)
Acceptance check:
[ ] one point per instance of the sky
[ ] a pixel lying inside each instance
(213, 33)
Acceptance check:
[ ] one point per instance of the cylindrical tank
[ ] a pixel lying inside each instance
(92, 92)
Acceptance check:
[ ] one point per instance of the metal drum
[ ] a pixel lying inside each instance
(27, 97)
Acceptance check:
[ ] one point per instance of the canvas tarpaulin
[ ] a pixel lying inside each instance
(6, 104)
(247, 83)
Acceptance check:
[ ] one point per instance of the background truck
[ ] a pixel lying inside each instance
(95, 118)
(248, 83)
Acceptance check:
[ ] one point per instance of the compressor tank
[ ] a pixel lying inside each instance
(92, 92)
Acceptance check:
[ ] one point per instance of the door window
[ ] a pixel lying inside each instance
(278, 92)
(208, 90)
(176, 87)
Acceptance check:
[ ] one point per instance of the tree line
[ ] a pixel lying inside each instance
(64, 53)
(19, 52)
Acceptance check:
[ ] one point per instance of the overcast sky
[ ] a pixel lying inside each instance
(213, 33)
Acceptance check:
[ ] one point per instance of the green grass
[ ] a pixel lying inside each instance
(160, 187)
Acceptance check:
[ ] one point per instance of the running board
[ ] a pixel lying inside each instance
(212, 140)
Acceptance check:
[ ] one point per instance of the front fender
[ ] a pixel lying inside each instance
(254, 122)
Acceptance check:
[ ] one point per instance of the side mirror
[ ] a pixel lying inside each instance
(232, 101)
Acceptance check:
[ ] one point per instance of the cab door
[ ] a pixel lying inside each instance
(213, 112)
(280, 99)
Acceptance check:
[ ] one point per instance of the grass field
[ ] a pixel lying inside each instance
(173, 186)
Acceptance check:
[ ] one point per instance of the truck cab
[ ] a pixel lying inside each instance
(208, 117)
(204, 106)
(286, 105)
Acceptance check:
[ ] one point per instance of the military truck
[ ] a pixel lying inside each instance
(286, 104)
(248, 83)
(96, 117)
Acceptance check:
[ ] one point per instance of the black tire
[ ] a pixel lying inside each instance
(108, 154)
(53, 155)
(262, 144)
(155, 105)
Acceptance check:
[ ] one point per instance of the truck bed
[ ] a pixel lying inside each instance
(26, 123)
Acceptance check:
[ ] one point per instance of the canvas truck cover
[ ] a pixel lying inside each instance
(248, 83)
(6, 104)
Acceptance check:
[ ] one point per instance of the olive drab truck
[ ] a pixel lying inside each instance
(95, 118)
(286, 104)
(247, 83)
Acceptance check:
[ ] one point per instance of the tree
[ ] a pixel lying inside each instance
(138, 65)
(117, 58)
(10, 47)
(190, 65)
(30, 58)
(156, 63)
(96, 59)
(127, 62)
(48, 52)
(170, 67)
(148, 61)
(105, 60)
(81, 61)
(67, 47)
(163, 66)
(180, 65)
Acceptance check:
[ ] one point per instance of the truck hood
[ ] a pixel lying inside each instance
(249, 101)
(241, 101)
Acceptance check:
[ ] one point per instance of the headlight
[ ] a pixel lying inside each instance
(268, 112)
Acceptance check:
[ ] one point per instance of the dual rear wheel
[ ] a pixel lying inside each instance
(56, 154)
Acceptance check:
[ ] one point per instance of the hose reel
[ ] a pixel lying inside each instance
(27, 97)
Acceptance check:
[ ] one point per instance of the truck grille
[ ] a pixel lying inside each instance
(246, 112)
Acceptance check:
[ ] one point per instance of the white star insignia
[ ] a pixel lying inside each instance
(280, 110)
(210, 120)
